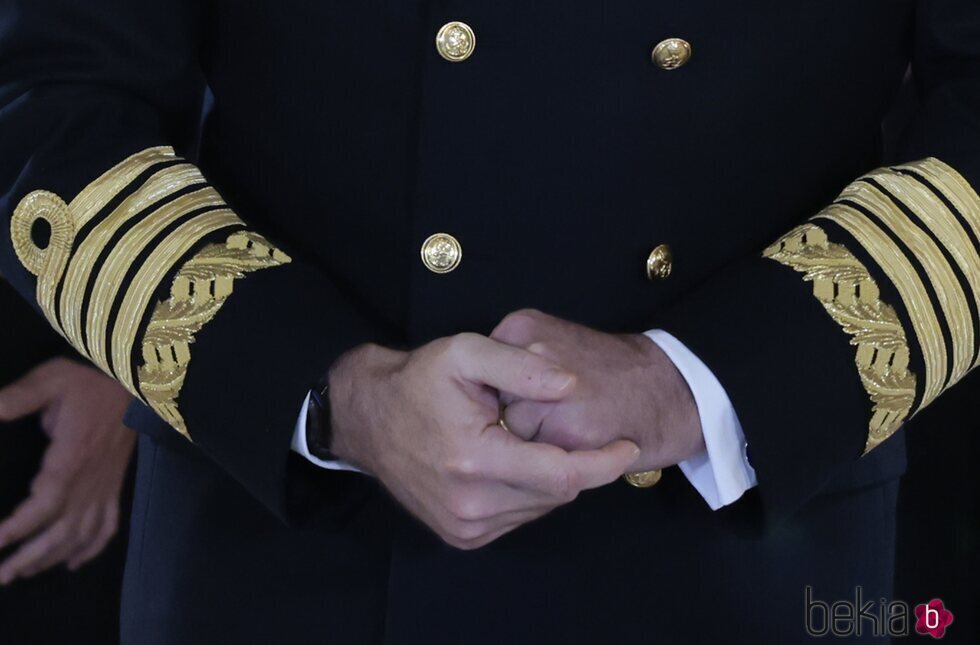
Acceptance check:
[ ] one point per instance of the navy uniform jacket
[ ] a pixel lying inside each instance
(554, 145)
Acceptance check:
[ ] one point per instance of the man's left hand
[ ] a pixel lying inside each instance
(626, 388)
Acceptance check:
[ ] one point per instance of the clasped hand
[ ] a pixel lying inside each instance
(582, 408)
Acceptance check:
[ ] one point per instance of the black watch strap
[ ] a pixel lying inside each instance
(318, 430)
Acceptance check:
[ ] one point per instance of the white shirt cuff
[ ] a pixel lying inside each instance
(722, 473)
(300, 446)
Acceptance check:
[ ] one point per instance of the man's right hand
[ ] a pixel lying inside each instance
(425, 423)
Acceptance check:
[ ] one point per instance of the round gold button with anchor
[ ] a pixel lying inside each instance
(660, 263)
(456, 42)
(646, 479)
(441, 253)
(672, 53)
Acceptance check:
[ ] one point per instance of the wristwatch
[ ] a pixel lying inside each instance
(319, 433)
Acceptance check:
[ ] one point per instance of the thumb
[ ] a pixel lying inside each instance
(595, 468)
(24, 397)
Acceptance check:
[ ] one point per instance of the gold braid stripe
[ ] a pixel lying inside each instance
(931, 214)
(79, 272)
(49, 263)
(110, 278)
(952, 184)
(923, 214)
(161, 263)
(944, 225)
(911, 289)
(951, 299)
(199, 290)
(103, 190)
(850, 295)
(958, 192)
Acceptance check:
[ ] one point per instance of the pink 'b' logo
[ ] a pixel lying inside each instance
(932, 618)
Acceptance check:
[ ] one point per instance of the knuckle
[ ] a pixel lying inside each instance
(471, 510)
(452, 348)
(466, 533)
(529, 313)
(517, 325)
(370, 352)
(463, 508)
(541, 348)
(461, 344)
(464, 467)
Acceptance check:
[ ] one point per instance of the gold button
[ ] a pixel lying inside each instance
(456, 42)
(646, 479)
(672, 53)
(660, 263)
(441, 253)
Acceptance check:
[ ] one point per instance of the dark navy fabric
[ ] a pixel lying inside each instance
(559, 155)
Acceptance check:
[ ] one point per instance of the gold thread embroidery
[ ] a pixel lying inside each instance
(161, 263)
(47, 263)
(952, 184)
(961, 195)
(103, 190)
(949, 292)
(934, 213)
(157, 187)
(936, 216)
(850, 295)
(199, 290)
(910, 288)
(121, 258)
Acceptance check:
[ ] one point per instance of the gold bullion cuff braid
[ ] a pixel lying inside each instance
(100, 259)
(849, 294)
(919, 224)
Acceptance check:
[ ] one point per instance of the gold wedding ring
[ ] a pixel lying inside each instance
(501, 421)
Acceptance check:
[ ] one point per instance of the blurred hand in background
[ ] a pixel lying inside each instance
(72, 511)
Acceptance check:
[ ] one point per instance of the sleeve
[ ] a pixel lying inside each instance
(850, 324)
(722, 473)
(302, 448)
(132, 255)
